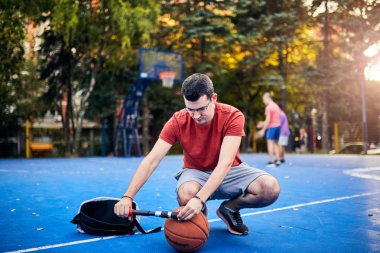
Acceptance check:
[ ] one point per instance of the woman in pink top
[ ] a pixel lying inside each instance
(284, 136)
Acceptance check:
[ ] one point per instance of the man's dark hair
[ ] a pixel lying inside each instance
(197, 85)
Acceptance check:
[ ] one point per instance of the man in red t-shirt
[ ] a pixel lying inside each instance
(209, 134)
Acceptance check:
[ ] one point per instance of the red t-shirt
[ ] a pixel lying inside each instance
(201, 143)
(274, 111)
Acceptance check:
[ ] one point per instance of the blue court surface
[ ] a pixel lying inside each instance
(327, 204)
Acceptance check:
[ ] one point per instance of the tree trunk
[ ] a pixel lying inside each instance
(78, 130)
(69, 118)
(203, 39)
(364, 111)
(282, 61)
(65, 121)
(325, 123)
(84, 100)
(83, 107)
(325, 95)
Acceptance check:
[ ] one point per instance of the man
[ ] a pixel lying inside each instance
(272, 127)
(284, 136)
(210, 135)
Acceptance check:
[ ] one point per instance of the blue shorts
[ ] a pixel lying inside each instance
(273, 133)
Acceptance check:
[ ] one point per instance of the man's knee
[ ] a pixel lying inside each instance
(267, 188)
(187, 191)
(271, 189)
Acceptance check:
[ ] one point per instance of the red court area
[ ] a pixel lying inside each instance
(328, 203)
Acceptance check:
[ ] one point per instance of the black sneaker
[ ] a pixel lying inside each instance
(278, 163)
(233, 220)
(282, 161)
(271, 164)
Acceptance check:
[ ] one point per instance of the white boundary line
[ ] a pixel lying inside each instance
(362, 173)
(64, 244)
(212, 220)
(305, 204)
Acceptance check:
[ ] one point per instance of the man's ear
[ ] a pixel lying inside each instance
(214, 97)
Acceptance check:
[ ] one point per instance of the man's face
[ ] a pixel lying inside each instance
(202, 110)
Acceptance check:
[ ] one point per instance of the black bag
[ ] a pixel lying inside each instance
(96, 216)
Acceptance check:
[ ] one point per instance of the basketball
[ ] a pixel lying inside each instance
(187, 236)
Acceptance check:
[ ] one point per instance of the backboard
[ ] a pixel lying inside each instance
(152, 62)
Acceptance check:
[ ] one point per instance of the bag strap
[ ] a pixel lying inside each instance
(135, 223)
(99, 231)
(76, 219)
(138, 226)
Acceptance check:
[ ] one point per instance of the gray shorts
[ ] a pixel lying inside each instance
(283, 141)
(234, 184)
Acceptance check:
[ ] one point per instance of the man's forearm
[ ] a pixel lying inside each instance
(265, 125)
(141, 175)
(214, 181)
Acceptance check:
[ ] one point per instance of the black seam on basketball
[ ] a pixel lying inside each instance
(206, 221)
(184, 245)
(171, 231)
(201, 240)
(206, 234)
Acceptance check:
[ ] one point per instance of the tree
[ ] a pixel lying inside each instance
(17, 79)
(269, 45)
(11, 59)
(361, 30)
(246, 46)
(325, 72)
(349, 28)
(88, 37)
(198, 29)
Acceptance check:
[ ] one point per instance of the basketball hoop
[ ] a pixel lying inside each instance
(167, 78)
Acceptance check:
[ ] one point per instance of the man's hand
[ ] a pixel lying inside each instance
(260, 124)
(260, 133)
(122, 207)
(192, 208)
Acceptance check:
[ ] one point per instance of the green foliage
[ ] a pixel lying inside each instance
(89, 51)
(162, 103)
(19, 85)
(89, 42)
(201, 31)
(64, 19)
(353, 27)
(11, 59)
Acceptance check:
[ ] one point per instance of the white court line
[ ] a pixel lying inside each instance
(18, 171)
(64, 244)
(305, 204)
(363, 173)
(212, 220)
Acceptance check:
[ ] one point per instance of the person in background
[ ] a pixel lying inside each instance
(284, 137)
(303, 140)
(271, 128)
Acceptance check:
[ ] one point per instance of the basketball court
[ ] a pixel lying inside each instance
(327, 204)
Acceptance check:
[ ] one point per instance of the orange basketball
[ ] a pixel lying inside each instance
(187, 236)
